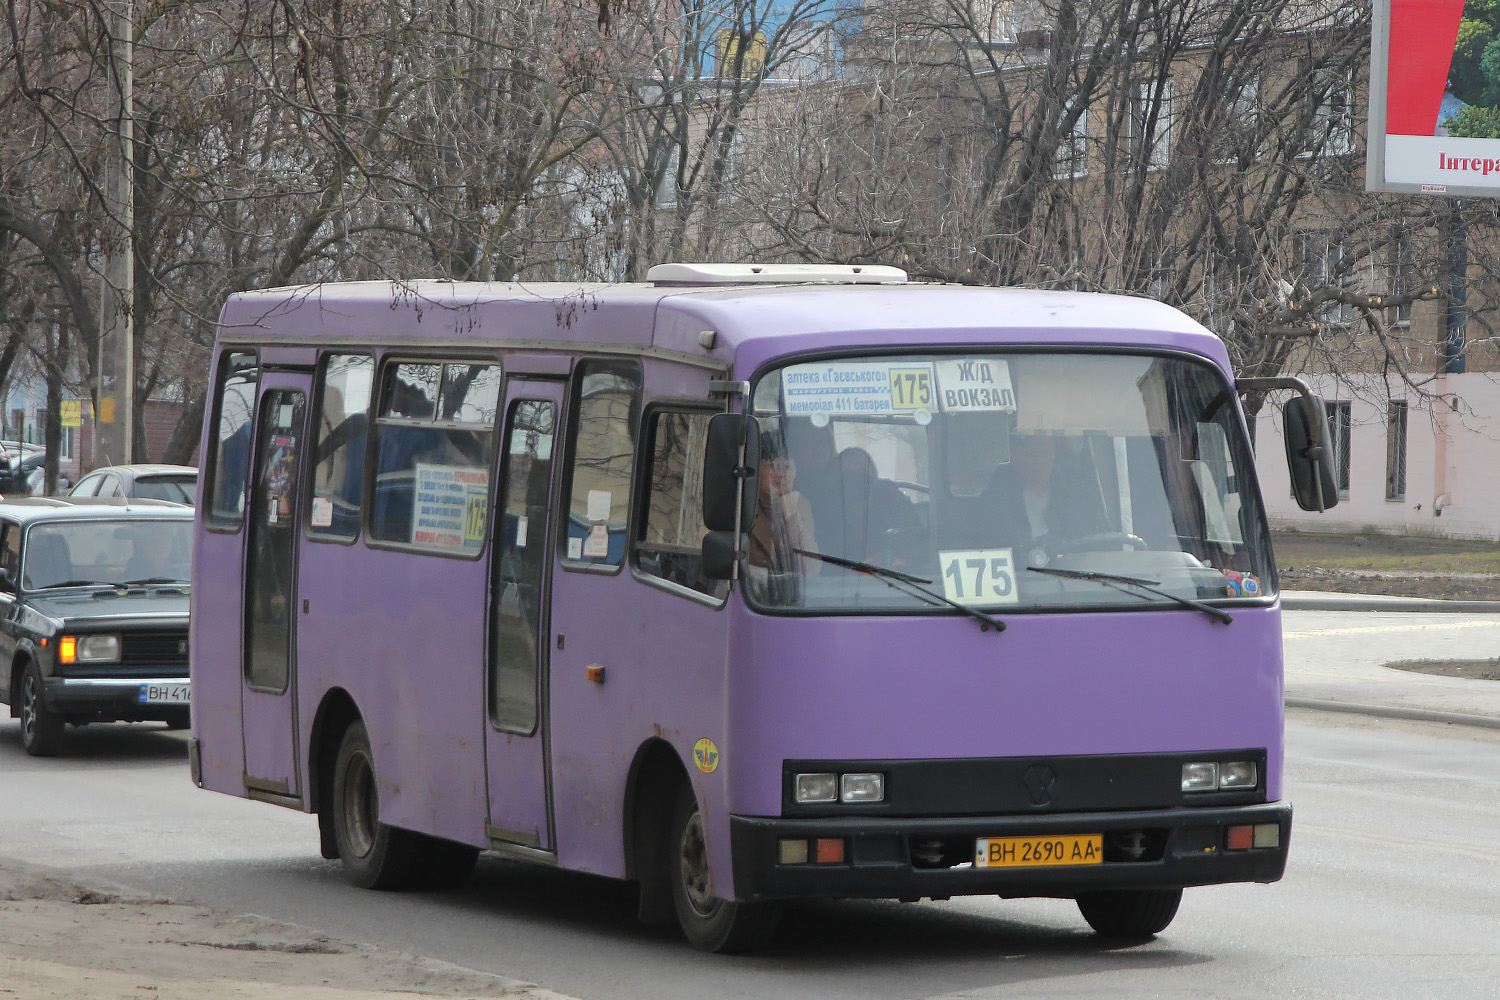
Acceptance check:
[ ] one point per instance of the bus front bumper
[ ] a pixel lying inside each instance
(934, 857)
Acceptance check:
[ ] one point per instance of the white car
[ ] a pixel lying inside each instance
(178, 483)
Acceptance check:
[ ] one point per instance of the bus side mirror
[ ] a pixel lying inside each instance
(723, 474)
(1309, 453)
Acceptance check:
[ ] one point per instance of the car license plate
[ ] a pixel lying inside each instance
(166, 694)
(1036, 852)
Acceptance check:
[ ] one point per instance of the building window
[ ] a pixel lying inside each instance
(1403, 275)
(1150, 124)
(1072, 148)
(1332, 129)
(606, 408)
(1395, 450)
(665, 195)
(669, 544)
(1323, 268)
(1241, 121)
(1338, 426)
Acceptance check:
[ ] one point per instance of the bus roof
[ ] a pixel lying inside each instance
(751, 324)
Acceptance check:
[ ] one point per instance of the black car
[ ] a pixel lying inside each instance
(93, 614)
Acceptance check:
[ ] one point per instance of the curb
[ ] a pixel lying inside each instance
(1318, 601)
(1394, 712)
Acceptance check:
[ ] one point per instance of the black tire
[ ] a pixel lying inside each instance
(447, 864)
(1130, 913)
(709, 922)
(41, 728)
(375, 856)
(179, 720)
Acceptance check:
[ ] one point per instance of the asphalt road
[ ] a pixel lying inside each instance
(1393, 889)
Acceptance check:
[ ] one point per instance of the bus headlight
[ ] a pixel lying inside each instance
(862, 787)
(817, 788)
(1221, 775)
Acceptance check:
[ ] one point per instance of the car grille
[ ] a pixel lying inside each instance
(154, 648)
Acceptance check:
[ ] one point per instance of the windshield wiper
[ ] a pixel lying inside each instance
(83, 583)
(151, 580)
(913, 585)
(1115, 581)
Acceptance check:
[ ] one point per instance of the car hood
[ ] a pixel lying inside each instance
(103, 602)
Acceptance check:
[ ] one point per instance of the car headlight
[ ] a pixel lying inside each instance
(89, 649)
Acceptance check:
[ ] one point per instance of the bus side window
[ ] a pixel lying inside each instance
(229, 451)
(339, 472)
(669, 543)
(433, 437)
(603, 453)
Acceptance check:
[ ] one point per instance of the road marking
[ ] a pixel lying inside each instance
(1366, 629)
(1385, 840)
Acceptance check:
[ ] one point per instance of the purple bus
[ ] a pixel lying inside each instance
(747, 584)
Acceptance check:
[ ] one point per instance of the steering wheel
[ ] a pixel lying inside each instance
(1102, 541)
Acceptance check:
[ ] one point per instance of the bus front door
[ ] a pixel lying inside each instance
(268, 694)
(517, 753)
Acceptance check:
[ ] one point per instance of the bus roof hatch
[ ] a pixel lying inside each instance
(752, 274)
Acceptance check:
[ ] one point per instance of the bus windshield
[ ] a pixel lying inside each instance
(1006, 480)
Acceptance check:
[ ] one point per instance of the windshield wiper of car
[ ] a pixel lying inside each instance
(1120, 582)
(83, 583)
(151, 580)
(912, 585)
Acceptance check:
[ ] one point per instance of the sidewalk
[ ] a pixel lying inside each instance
(1336, 662)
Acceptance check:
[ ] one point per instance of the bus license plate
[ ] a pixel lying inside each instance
(1036, 852)
(166, 694)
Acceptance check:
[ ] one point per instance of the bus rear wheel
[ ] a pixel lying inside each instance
(1130, 913)
(375, 856)
(709, 922)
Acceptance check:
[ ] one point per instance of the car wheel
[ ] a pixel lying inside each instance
(1136, 913)
(375, 856)
(709, 922)
(41, 728)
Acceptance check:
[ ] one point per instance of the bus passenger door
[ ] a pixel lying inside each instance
(268, 691)
(517, 752)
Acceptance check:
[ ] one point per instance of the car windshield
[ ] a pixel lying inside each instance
(967, 471)
(178, 488)
(111, 552)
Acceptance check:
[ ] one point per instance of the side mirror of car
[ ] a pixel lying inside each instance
(7, 585)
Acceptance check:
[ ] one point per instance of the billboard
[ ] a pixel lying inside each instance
(1435, 98)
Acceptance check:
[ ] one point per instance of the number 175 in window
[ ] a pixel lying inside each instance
(979, 576)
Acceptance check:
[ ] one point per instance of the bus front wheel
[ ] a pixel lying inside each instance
(1130, 913)
(375, 856)
(709, 922)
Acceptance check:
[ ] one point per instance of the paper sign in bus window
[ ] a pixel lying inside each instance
(450, 506)
(599, 504)
(975, 384)
(596, 546)
(979, 576)
(857, 387)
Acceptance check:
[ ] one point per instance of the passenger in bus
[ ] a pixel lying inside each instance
(1037, 501)
(863, 515)
(783, 520)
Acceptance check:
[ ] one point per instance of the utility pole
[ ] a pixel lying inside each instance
(115, 391)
